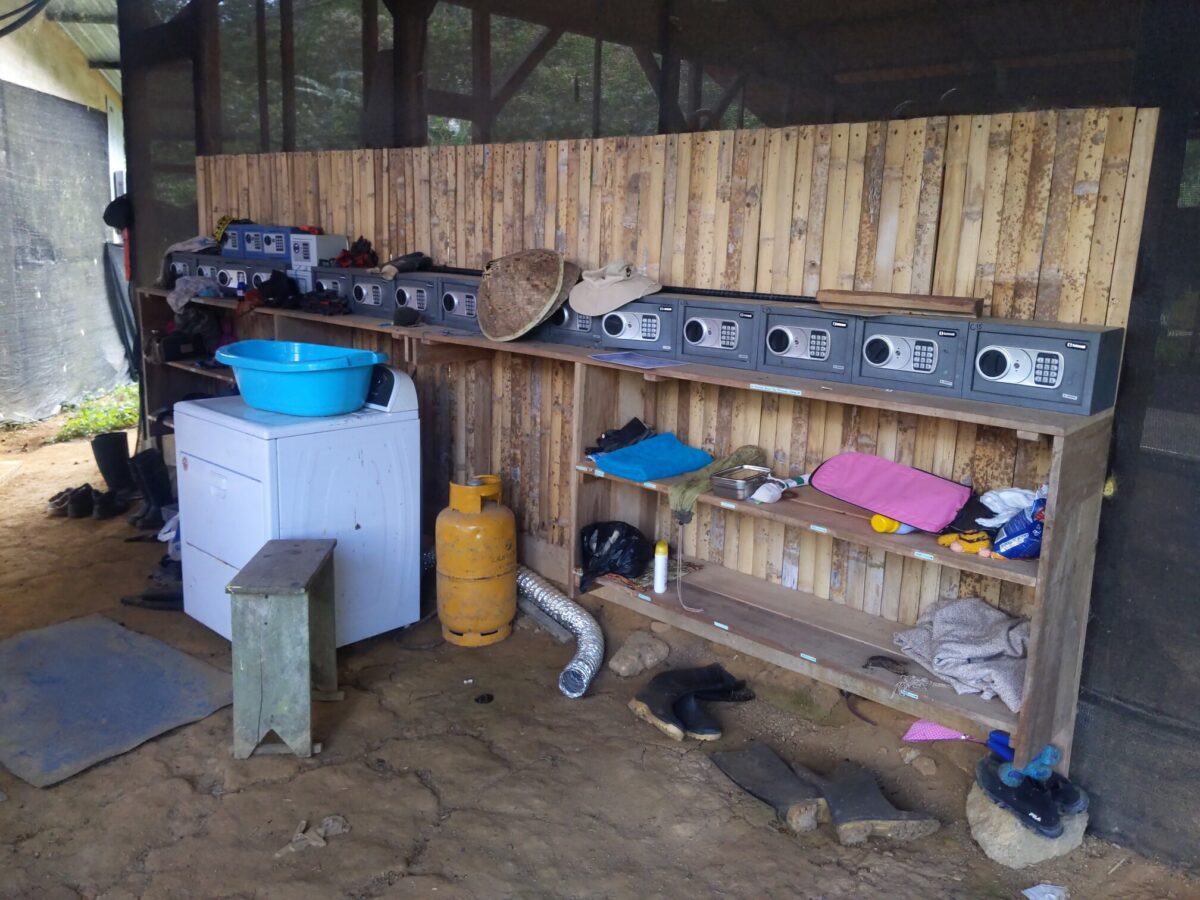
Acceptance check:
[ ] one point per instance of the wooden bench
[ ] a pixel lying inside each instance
(284, 647)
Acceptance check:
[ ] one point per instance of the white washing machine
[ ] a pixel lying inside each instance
(247, 476)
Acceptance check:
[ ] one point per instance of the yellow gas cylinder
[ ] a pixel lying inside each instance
(476, 539)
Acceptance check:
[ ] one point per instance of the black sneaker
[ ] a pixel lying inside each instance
(1070, 798)
(79, 503)
(1030, 802)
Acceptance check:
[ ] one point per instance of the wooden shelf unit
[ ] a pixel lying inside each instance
(791, 628)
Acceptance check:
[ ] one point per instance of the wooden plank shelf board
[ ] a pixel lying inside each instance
(813, 637)
(826, 515)
(223, 374)
(1030, 422)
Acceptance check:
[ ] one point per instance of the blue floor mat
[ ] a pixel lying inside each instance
(80, 692)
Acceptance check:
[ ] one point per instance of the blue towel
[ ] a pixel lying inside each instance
(661, 456)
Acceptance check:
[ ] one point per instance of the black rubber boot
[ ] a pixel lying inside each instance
(655, 702)
(698, 723)
(758, 771)
(859, 810)
(79, 503)
(151, 471)
(112, 459)
(1030, 802)
(106, 504)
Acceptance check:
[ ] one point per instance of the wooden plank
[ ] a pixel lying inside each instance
(1063, 596)
(1033, 221)
(929, 201)
(1058, 214)
(1114, 172)
(991, 215)
(835, 208)
(1133, 212)
(901, 302)
(799, 637)
(870, 207)
(909, 206)
(954, 187)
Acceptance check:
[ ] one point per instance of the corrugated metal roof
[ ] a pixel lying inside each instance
(97, 41)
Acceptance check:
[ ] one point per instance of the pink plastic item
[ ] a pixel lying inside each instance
(891, 489)
(924, 730)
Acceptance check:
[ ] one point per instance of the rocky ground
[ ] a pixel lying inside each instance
(529, 795)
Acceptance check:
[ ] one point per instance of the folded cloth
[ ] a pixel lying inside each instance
(661, 456)
(683, 494)
(972, 646)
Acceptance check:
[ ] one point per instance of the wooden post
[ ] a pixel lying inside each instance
(260, 47)
(370, 47)
(410, 128)
(668, 77)
(206, 76)
(481, 74)
(597, 62)
(287, 72)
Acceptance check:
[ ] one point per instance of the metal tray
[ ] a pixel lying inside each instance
(739, 482)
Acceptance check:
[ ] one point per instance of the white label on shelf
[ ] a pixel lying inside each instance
(772, 389)
(583, 469)
(921, 554)
(597, 473)
(644, 597)
(721, 625)
(908, 694)
(650, 485)
(819, 529)
(811, 659)
(727, 505)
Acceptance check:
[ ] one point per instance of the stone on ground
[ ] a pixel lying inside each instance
(1008, 842)
(641, 651)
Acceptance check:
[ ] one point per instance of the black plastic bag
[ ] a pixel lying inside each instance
(612, 547)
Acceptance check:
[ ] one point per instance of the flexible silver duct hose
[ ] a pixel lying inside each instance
(589, 652)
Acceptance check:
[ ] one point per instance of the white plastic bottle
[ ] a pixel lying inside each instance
(660, 567)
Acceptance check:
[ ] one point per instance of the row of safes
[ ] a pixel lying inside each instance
(1070, 369)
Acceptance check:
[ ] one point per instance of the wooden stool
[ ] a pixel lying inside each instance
(284, 647)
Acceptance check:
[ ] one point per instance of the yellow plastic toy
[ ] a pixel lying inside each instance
(967, 542)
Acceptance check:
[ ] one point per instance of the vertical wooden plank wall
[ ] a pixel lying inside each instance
(1037, 213)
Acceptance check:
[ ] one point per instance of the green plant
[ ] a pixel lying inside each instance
(111, 412)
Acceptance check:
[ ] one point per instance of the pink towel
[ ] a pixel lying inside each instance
(891, 489)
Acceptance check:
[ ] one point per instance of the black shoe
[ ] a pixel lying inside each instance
(112, 459)
(1030, 801)
(79, 503)
(151, 472)
(698, 723)
(106, 504)
(56, 506)
(655, 702)
(1069, 797)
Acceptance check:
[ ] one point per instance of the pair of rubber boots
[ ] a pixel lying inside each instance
(1038, 805)
(673, 702)
(85, 502)
(144, 474)
(849, 797)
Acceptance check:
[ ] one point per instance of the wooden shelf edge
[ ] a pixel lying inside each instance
(813, 650)
(847, 528)
(223, 374)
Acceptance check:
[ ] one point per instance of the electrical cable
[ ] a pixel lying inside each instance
(25, 13)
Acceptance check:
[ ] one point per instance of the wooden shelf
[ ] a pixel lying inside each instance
(826, 515)
(806, 634)
(1023, 421)
(1031, 421)
(223, 374)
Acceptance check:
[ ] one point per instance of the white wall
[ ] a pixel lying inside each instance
(41, 56)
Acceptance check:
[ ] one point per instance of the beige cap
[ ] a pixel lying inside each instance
(603, 290)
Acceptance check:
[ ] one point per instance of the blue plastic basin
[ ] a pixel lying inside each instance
(301, 379)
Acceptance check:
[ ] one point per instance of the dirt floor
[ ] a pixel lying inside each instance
(531, 795)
